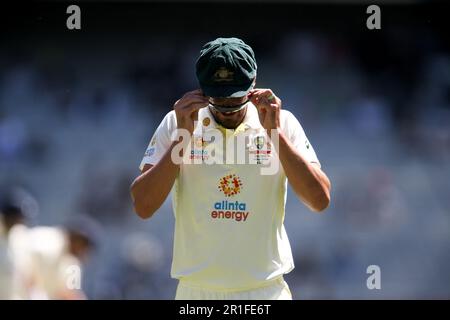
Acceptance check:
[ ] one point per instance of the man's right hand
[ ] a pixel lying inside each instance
(186, 109)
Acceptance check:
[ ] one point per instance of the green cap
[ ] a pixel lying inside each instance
(226, 68)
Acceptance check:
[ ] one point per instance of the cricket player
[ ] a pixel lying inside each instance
(41, 263)
(230, 241)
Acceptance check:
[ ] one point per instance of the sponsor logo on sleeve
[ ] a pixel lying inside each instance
(149, 152)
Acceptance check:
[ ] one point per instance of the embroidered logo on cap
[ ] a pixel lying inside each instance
(222, 74)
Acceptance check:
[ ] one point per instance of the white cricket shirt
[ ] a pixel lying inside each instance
(229, 232)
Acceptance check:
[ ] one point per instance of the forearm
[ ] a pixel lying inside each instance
(152, 187)
(310, 184)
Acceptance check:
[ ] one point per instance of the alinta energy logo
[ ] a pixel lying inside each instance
(230, 185)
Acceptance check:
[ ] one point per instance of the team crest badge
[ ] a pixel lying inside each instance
(200, 142)
(259, 142)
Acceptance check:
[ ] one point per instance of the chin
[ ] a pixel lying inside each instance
(229, 124)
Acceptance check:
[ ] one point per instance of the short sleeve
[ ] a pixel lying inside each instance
(297, 136)
(160, 141)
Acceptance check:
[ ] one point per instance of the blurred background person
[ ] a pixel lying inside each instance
(54, 259)
(17, 208)
(6, 266)
(42, 262)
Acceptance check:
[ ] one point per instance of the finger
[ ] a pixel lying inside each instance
(263, 92)
(262, 106)
(193, 107)
(260, 90)
(269, 99)
(195, 96)
(263, 96)
(262, 101)
(189, 100)
(268, 94)
(255, 92)
(186, 106)
(253, 99)
(194, 93)
(259, 103)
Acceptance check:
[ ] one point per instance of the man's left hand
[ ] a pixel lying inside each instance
(268, 106)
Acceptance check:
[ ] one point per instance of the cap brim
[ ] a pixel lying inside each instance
(227, 91)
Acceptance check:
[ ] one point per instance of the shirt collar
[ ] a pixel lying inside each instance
(206, 120)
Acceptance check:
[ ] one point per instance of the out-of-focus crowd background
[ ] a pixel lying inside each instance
(77, 113)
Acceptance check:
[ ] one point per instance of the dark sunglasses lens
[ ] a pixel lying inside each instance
(228, 109)
(225, 109)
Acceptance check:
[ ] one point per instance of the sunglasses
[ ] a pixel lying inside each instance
(229, 109)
